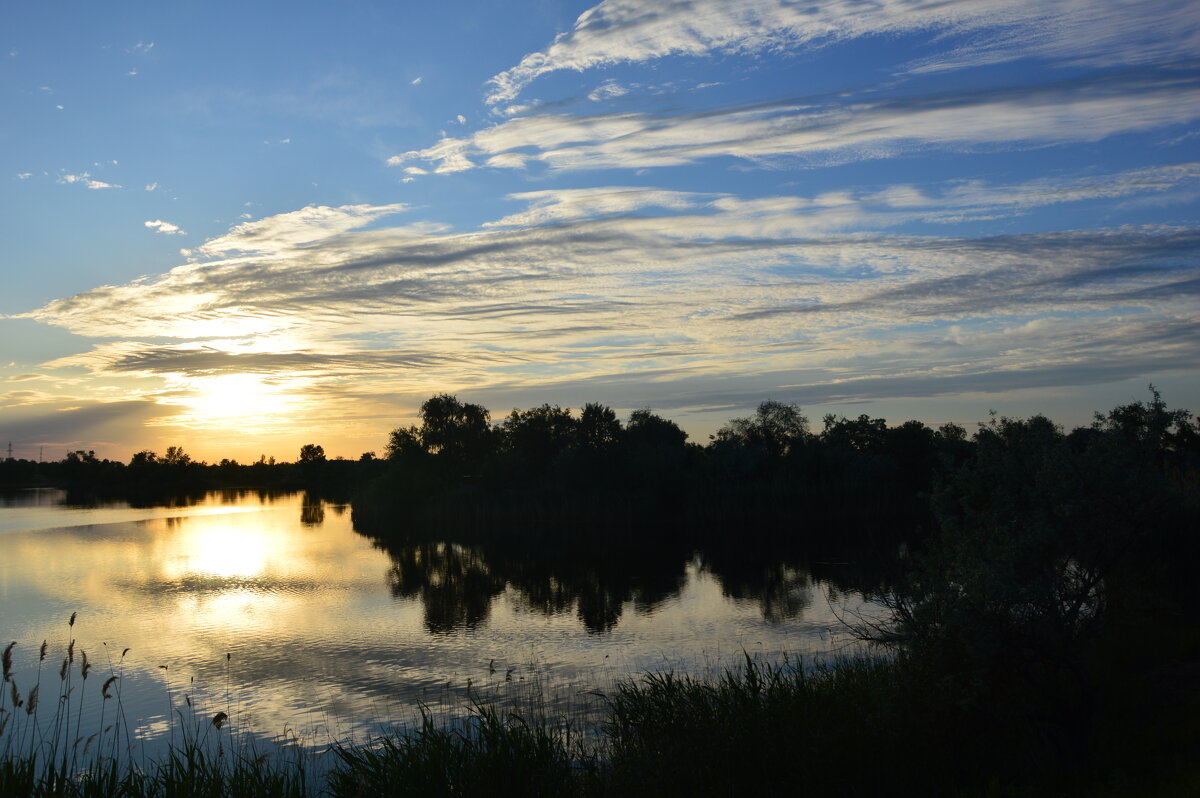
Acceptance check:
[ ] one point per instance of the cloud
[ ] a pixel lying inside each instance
(85, 179)
(296, 229)
(944, 203)
(207, 361)
(449, 153)
(607, 91)
(416, 81)
(564, 204)
(159, 226)
(679, 293)
(151, 186)
(821, 132)
(84, 424)
(24, 175)
(132, 73)
(991, 31)
(462, 120)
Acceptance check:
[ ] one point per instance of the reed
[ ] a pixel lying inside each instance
(205, 755)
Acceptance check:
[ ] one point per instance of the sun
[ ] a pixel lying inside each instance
(234, 398)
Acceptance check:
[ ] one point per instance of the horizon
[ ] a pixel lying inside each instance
(909, 212)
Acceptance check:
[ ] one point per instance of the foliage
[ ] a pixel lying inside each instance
(1048, 545)
(312, 453)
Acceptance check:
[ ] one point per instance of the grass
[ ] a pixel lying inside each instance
(488, 752)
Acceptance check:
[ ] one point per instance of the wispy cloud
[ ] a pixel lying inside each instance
(823, 132)
(676, 292)
(617, 31)
(288, 231)
(581, 203)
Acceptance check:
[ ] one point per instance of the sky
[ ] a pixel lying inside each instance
(241, 230)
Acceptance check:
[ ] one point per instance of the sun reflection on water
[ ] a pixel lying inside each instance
(223, 550)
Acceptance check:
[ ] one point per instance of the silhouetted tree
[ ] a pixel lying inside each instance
(459, 434)
(599, 428)
(312, 453)
(176, 457)
(404, 443)
(143, 459)
(538, 435)
(863, 434)
(774, 428)
(647, 430)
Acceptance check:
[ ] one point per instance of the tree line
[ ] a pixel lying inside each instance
(151, 476)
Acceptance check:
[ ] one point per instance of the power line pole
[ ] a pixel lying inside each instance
(10, 450)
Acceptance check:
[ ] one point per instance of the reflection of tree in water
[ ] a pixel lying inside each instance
(596, 577)
(596, 574)
(312, 510)
(457, 583)
(784, 579)
(782, 590)
(454, 583)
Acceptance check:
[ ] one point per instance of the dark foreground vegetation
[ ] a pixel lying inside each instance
(1042, 639)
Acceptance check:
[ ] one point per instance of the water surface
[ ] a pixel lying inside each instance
(275, 610)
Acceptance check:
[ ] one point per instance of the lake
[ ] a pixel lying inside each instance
(272, 608)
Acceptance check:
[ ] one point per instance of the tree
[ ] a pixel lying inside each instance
(404, 443)
(312, 453)
(775, 428)
(538, 435)
(80, 457)
(1049, 547)
(458, 434)
(863, 434)
(647, 430)
(598, 427)
(176, 456)
(143, 459)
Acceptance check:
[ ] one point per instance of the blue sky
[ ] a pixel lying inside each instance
(239, 231)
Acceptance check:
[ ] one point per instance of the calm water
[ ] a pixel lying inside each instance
(274, 609)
